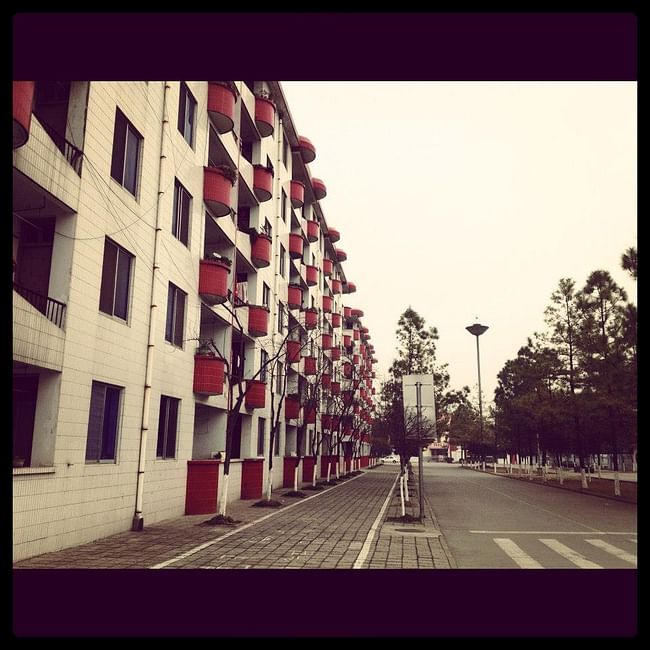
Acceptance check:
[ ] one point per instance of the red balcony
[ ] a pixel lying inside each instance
(310, 366)
(327, 304)
(336, 286)
(328, 267)
(311, 318)
(333, 234)
(347, 340)
(310, 415)
(320, 191)
(255, 394)
(23, 98)
(262, 183)
(296, 244)
(221, 106)
(349, 287)
(335, 389)
(261, 250)
(294, 296)
(347, 370)
(217, 191)
(326, 341)
(292, 407)
(347, 397)
(311, 275)
(258, 320)
(297, 194)
(326, 380)
(293, 351)
(357, 312)
(306, 149)
(341, 255)
(264, 116)
(213, 281)
(336, 320)
(356, 334)
(356, 408)
(347, 312)
(355, 359)
(364, 330)
(313, 230)
(335, 354)
(208, 374)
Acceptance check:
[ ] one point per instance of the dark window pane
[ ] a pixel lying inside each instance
(172, 424)
(107, 289)
(185, 216)
(95, 421)
(181, 109)
(131, 161)
(122, 284)
(111, 411)
(169, 325)
(176, 215)
(119, 141)
(189, 118)
(180, 318)
(162, 427)
(261, 422)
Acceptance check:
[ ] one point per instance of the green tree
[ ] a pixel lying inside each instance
(628, 261)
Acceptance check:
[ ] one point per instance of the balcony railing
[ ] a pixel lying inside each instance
(72, 154)
(52, 309)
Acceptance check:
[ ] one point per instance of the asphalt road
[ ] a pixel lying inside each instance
(493, 522)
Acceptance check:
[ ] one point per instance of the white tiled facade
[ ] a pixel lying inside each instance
(60, 498)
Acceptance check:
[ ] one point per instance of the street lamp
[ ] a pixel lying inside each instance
(477, 330)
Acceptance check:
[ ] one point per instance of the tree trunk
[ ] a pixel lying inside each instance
(269, 484)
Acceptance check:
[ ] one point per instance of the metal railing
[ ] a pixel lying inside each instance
(72, 154)
(52, 309)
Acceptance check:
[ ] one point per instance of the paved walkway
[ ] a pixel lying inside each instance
(343, 526)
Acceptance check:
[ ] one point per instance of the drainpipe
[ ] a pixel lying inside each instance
(138, 519)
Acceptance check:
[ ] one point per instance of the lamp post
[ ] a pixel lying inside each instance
(477, 330)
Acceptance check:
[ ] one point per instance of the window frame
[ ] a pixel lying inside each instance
(185, 94)
(121, 253)
(264, 365)
(173, 313)
(180, 192)
(123, 127)
(261, 434)
(171, 404)
(119, 390)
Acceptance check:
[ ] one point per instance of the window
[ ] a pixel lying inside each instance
(279, 378)
(126, 153)
(167, 427)
(280, 317)
(182, 209)
(186, 114)
(276, 445)
(175, 315)
(101, 442)
(283, 265)
(116, 280)
(266, 294)
(285, 149)
(283, 208)
(264, 364)
(261, 427)
(269, 164)
(268, 229)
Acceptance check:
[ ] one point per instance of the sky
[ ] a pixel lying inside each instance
(470, 201)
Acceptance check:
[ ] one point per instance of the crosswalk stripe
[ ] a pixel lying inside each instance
(571, 555)
(609, 548)
(517, 554)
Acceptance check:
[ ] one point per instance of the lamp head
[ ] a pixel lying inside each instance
(477, 329)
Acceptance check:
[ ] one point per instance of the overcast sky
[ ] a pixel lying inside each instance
(471, 200)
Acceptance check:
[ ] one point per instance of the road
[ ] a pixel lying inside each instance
(493, 522)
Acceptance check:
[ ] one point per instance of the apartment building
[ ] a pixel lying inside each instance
(174, 275)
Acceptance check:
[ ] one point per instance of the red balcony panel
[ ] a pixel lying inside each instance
(336, 286)
(308, 464)
(347, 370)
(208, 374)
(311, 275)
(347, 340)
(355, 359)
(356, 409)
(364, 330)
(258, 320)
(335, 389)
(328, 267)
(292, 407)
(336, 320)
(217, 191)
(252, 474)
(320, 191)
(326, 341)
(310, 415)
(307, 149)
(335, 354)
(261, 250)
(356, 334)
(294, 296)
(221, 106)
(347, 312)
(264, 116)
(311, 318)
(326, 421)
(262, 183)
(333, 234)
(296, 245)
(313, 230)
(357, 312)
(362, 349)
(327, 304)
(23, 98)
(288, 470)
(213, 281)
(293, 351)
(341, 255)
(310, 366)
(297, 194)
(255, 394)
(347, 397)
(351, 288)
(326, 380)
(201, 487)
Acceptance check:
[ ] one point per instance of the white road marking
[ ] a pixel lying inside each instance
(511, 549)
(632, 540)
(358, 563)
(196, 549)
(571, 555)
(609, 548)
(546, 532)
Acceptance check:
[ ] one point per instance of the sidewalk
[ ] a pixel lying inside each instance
(338, 527)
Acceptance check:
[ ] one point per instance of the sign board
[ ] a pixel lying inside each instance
(419, 407)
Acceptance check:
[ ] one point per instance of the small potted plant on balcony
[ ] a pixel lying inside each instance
(217, 257)
(227, 172)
